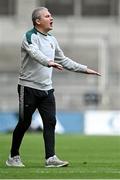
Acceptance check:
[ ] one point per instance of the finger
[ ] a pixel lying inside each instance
(98, 74)
(58, 66)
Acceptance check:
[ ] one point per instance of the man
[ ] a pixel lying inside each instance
(40, 53)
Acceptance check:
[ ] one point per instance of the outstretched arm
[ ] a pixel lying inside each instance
(60, 67)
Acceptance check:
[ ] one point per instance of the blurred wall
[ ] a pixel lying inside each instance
(88, 31)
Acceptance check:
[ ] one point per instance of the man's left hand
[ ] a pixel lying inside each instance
(55, 65)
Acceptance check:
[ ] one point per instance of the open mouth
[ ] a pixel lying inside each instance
(51, 23)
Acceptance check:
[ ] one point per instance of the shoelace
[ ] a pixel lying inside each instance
(17, 159)
(55, 158)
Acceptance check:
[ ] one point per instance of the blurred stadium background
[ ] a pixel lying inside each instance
(89, 32)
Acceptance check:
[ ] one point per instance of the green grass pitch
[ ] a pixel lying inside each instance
(90, 157)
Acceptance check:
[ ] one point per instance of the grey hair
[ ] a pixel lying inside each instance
(36, 14)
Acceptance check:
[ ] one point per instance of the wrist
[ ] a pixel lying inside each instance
(50, 62)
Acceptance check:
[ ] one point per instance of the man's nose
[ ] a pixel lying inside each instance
(51, 18)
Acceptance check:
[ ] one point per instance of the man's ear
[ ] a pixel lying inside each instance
(37, 21)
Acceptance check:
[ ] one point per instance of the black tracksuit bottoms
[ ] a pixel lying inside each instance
(29, 100)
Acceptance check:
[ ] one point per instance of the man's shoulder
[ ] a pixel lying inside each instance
(29, 34)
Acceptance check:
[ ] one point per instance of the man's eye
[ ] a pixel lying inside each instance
(48, 16)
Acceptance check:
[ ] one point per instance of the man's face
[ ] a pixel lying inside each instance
(45, 23)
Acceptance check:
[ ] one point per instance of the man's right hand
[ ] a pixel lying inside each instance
(90, 71)
(55, 65)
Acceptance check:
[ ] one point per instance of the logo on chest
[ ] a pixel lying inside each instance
(51, 45)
